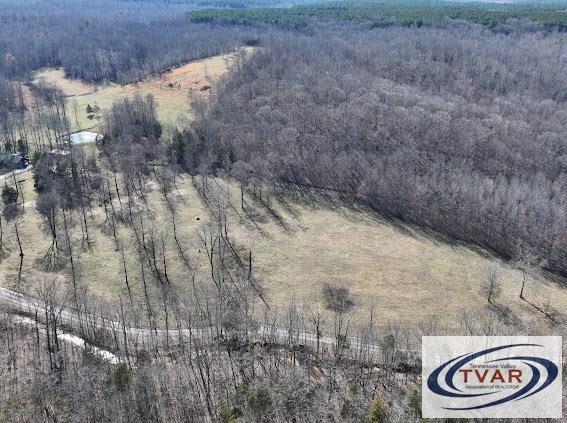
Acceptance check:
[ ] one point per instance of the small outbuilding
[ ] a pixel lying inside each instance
(83, 137)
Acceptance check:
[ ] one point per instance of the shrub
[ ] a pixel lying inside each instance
(259, 400)
(121, 377)
(378, 412)
(230, 414)
(414, 402)
(9, 195)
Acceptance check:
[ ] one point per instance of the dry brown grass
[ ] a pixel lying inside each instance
(100, 267)
(404, 275)
(297, 246)
(173, 90)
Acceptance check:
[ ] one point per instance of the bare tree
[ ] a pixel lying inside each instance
(337, 299)
(528, 263)
(491, 285)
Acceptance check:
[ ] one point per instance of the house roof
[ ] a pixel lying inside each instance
(84, 137)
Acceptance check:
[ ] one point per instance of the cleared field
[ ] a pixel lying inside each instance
(172, 90)
(402, 274)
(405, 276)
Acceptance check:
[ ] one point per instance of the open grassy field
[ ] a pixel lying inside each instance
(297, 247)
(172, 90)
(403, 274)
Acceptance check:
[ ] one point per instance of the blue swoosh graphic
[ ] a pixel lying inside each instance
(457, 362)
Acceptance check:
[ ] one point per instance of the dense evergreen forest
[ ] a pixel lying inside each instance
(384, 13)
(456, 129)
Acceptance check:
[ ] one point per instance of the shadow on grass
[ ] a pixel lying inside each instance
(355, 210)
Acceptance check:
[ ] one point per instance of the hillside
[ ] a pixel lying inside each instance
(283, 211)
(405, 275)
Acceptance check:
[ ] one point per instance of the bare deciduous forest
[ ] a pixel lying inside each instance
(130, 290)
(104, 40)
(455, 129)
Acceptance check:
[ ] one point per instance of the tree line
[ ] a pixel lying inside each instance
(385, 13)
(38, 127)
(455, 129)
(110, 40)
(95, 41)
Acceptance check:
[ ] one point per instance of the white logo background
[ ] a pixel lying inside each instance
(517, 379)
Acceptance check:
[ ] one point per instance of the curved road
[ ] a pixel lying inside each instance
(19, 303)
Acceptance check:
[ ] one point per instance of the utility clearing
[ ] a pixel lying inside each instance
(173, 90)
